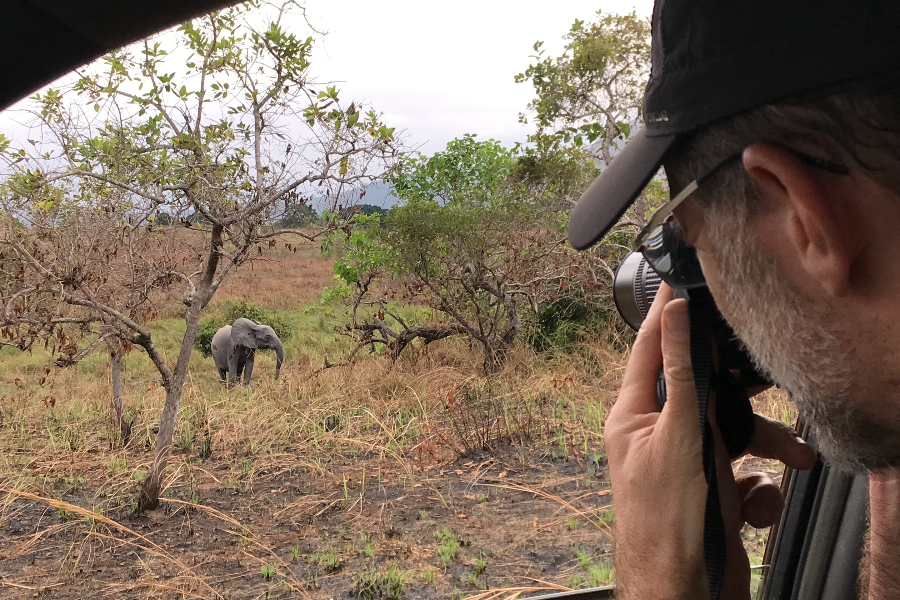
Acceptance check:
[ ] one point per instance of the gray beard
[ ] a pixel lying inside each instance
(801, 346)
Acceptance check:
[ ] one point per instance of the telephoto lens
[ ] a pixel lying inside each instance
(634, 288)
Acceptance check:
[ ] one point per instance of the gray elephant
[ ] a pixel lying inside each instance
(234, 347)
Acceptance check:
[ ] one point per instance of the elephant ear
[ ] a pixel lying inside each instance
(242, 333)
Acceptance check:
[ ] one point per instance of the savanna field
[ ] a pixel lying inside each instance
(207, 175)
(425, 481)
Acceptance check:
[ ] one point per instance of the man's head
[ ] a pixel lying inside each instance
(800, 259)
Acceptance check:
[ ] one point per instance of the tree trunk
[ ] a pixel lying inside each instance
(151, 487)
(115, 360)
(496, 348)
(494, 357)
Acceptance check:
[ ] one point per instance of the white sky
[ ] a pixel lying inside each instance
(437, 70)
(442, 69)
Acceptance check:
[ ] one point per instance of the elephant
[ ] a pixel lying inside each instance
(234, 347)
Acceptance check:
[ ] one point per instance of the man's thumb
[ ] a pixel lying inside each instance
(681, 393)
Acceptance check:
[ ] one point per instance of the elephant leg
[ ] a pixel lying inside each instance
(233, 375)
(223, 374)
(248, 368)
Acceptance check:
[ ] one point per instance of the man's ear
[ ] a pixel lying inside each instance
(817, 212)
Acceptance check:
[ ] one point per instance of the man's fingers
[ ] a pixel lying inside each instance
(761, 500)
(681, 391)
(773, 439)
(638, 393)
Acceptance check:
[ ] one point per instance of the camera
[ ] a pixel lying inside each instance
(634, 288)
(728, 372)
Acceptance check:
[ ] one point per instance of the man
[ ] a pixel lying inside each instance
(779, 121)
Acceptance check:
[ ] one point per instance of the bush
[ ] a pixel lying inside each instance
(234, 311)
(203, 341)
(561, 324)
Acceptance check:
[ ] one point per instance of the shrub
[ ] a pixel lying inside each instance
(203, 341)
(559, 325)
(234, 311)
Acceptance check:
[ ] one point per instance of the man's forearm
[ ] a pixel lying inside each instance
(880, 568)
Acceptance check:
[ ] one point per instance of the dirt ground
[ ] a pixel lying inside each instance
(345, 484)
(520, 519)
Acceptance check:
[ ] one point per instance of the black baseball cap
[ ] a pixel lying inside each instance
(712, 59)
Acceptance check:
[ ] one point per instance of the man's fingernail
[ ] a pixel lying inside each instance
(676, 319)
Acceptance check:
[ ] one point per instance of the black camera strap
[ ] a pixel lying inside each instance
(714, 539)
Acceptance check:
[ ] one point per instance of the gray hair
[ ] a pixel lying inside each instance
(857, 125)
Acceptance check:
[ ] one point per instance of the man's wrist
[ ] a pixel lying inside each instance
(661, 576)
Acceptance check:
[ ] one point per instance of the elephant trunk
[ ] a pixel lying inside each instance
(279, 353)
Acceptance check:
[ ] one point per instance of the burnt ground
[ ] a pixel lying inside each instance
(267, 528)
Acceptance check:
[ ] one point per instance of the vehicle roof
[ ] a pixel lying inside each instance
(41, 40)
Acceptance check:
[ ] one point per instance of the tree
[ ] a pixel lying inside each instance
(480, 230)
(479, 235)
(299, 215)
(226, 124)
(52, 246)
(592, 92)
(590, 97)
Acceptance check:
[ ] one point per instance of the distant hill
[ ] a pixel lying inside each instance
(377, 193)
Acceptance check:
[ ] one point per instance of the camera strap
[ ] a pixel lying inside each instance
(714, 539)
(736, 422)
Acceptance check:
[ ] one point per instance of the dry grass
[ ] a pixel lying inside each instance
(281, 278)
(305, 458)
(344, 427)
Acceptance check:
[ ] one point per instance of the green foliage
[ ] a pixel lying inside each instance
(234, 311)
(361, 253)
(561, 324)
(466, 171)
(203, 341)
(390, 584)
(448, 545)
(592, 91)
(299, 215)
(476, 232)
(366, 210)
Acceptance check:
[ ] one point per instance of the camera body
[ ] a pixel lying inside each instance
(634, 288)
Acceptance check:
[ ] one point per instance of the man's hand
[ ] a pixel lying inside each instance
(656, 471)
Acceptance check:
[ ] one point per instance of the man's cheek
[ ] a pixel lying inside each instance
(714, 282)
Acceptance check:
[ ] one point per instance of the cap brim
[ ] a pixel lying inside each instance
(610, 195)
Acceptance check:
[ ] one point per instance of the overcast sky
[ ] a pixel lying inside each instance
(438, 70)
